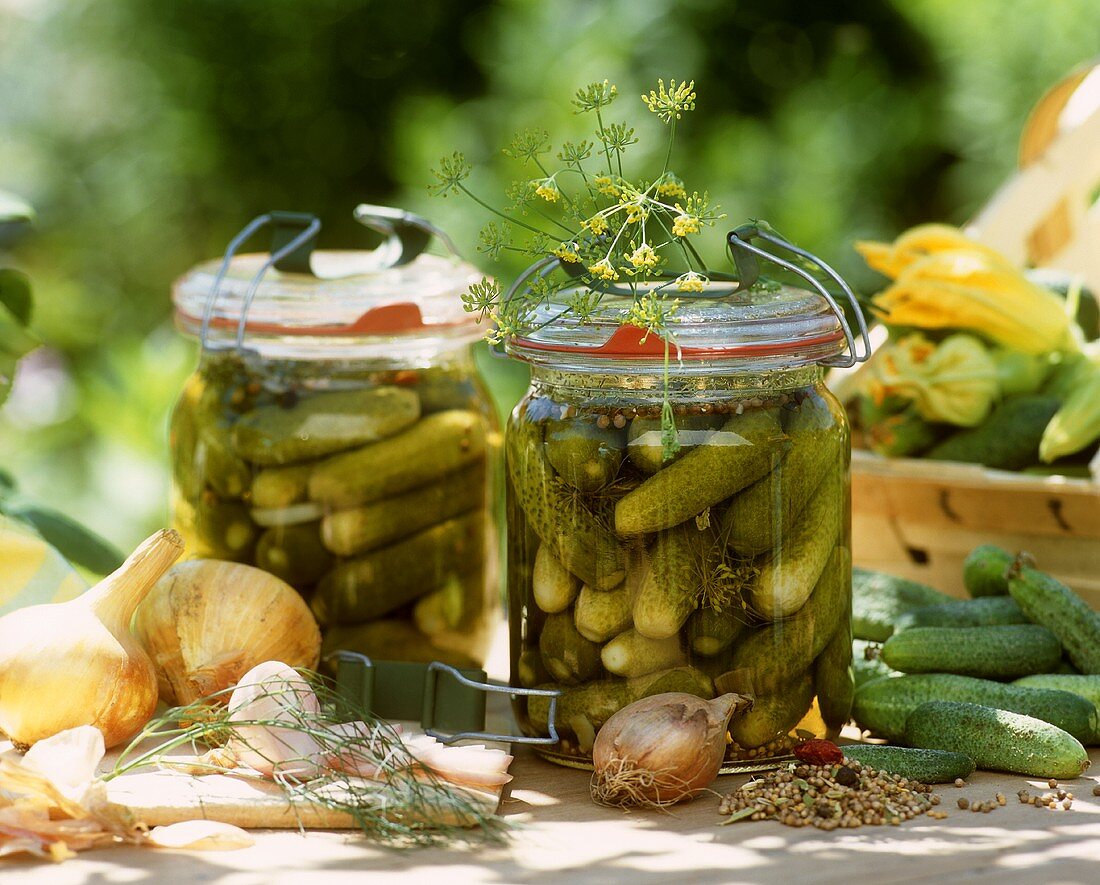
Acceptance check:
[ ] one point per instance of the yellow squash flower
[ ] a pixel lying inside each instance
(976, 292)
(954, 382)
(916, 243)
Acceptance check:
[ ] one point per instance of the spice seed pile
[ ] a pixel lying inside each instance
(830, 797)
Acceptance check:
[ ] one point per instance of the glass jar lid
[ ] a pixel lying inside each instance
(747, 319)
(392, 291)
(782, 322)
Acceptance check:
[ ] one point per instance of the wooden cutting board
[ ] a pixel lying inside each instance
(158, 797)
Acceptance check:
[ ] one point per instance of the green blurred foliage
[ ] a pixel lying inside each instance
(146, 134)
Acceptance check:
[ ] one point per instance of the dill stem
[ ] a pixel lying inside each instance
(500, 214)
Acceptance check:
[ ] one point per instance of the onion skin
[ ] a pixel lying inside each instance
(76, 663)
(662, 749)
(206, 623)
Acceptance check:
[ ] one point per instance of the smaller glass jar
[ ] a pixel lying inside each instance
(337, 435)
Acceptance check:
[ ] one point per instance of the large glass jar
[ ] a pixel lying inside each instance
(345, 443)
(705, 554)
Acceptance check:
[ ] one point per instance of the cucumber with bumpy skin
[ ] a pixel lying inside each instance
(866, 663)
(670, 589)
(601, 614)
(1087, 687)
(711, 632)
(432, 447)
(984, 571)
(584, 454)
(834, 681)
(761, 515)
(789, 575)
(322, 424)
(743, 450)
(644, 439)
(567, 655)
(359, 529)
(882, 706)
(773, 715)
(552, 586)
(878, 599)
(992, 652)
(923, 766)
(632, 654)
(997, 739)
(1047, 601)
(561, 520)
(987, 611)
(777, 653)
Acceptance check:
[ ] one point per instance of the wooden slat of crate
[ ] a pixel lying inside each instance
(919, 519)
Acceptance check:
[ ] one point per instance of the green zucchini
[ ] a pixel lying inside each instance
(923, 766)
(882, 706)
(997, 739)
(992, 652)
(1047, 601)
(1007, 440)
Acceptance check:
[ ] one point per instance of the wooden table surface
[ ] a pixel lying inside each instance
(560, 836)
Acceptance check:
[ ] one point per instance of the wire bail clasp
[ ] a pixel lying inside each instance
(745, 256)
(292, 242)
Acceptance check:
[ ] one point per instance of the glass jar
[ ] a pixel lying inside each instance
(337, 435)
(708, 553)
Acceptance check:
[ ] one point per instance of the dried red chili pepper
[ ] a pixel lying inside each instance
(818, 752)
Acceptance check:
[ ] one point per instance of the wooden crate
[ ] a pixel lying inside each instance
(919, 519)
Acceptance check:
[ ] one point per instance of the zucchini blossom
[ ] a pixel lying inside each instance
(953, 382)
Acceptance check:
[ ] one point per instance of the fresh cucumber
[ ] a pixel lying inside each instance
(867, 664)
(924, 766)
(984, 571)
(878, 599)
(1047, 601)
(1007, 440)
(1087, 687)
(882, 706)
(993, 652)
(986, 611)
(997, 739)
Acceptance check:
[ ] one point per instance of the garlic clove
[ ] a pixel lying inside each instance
(68, 759)
(204, 835)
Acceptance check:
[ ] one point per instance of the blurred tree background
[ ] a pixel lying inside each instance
(146, 134)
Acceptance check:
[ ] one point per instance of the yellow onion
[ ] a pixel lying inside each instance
(662, 749)
(76, 663)
(207, 623)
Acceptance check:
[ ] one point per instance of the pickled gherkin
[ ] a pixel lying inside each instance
(720, 565)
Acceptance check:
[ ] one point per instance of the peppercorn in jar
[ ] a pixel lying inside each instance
(678, 514)
(337, 435)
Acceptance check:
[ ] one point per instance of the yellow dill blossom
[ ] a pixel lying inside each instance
(671, 188)
(603, 270)
(643, 256)
(596, 225)
(691, 282)
(606, 186)
(682, 225)
(568, 253)
(636, 212)
(548, 190)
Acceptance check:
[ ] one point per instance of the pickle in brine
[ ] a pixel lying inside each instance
(278, 487)
(294, 553)
(358, 529)
(834, 680)
(219, 529)
(561, 520)
(758, 517)
(773, 715)
(672, 586)
(601, 614)
(372, 585)
(745, 448)
(632, 654)
(645, 446)
(553, 587)
(711, 632)
(320, 424)
(433, 447)
(788, 575)
(584, 454)
(566, 654)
